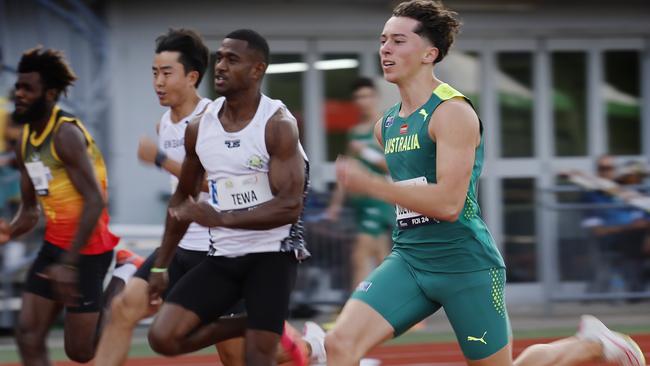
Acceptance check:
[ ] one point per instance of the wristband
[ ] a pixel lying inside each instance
(158, 270)
(160, 158)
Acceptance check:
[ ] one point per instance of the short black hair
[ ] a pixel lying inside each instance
(51, 66)
(438, 23)
(362, 82)
(255, 41)
(194, 53)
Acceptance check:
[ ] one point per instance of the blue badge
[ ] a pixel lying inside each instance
(389, 121)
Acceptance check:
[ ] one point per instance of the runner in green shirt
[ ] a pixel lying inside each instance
(443, 253)
(374, 218)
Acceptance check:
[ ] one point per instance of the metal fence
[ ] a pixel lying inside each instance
(585, 257)
(325, 277)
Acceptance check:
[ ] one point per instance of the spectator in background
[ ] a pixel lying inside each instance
(13, 252)
(374, 218)
(633, 251)
(9, 183)
(618, 231)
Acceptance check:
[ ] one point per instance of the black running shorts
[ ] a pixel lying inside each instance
(91, 271)
(263, 280)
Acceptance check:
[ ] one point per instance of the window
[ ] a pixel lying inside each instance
(621, 95)
(462, 71)
(519, 229)
(284, 80)
(339, 72)
(569, 103)
(515, 92)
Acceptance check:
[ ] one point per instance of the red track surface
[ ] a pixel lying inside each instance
(430, 354)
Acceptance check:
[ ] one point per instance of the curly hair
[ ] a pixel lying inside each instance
(438, 24)
(51, 66)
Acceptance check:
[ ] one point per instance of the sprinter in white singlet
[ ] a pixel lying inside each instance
(248, 146)
(179, 64)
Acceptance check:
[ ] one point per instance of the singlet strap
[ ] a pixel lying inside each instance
(76, 122)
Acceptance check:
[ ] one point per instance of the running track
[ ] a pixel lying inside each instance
(428, 354)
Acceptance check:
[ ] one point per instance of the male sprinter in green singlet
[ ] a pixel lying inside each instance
(443, 253)
(374, 218)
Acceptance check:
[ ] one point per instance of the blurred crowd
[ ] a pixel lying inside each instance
(619, 228)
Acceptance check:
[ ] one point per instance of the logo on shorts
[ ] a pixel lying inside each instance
(389, 121)
(364, 286)
(476, 339)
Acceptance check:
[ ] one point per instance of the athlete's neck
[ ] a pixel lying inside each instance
(39, 125)
(416, 91)
(185, 108)
(240, 108)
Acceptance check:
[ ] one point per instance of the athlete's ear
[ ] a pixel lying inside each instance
(51, 95)
(258, 70)
(430, 55)
(193, 76)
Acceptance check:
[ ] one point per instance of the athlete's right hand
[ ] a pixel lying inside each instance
(147, 150)
(5, 231)
(157, 285)
(355, 147)
(65, 282)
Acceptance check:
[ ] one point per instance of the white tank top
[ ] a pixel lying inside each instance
(237, 166)
(171, 140)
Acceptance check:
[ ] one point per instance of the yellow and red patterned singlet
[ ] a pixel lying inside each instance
(60, 200)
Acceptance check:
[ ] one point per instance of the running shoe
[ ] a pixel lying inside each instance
(124, 256)
(617, 347)
(315, 336)
(289, 342)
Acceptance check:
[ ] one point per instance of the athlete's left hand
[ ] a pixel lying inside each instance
(197, 211)
(64, 282)
(352, 176)
(158, 282)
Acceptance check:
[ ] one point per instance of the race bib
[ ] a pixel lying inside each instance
(237, 193)
(39, 175)
(406, 218)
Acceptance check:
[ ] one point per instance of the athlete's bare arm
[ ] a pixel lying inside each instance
(454, 127)
(70, 145)
(286, 177)
(189, 184)
(28, 213)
